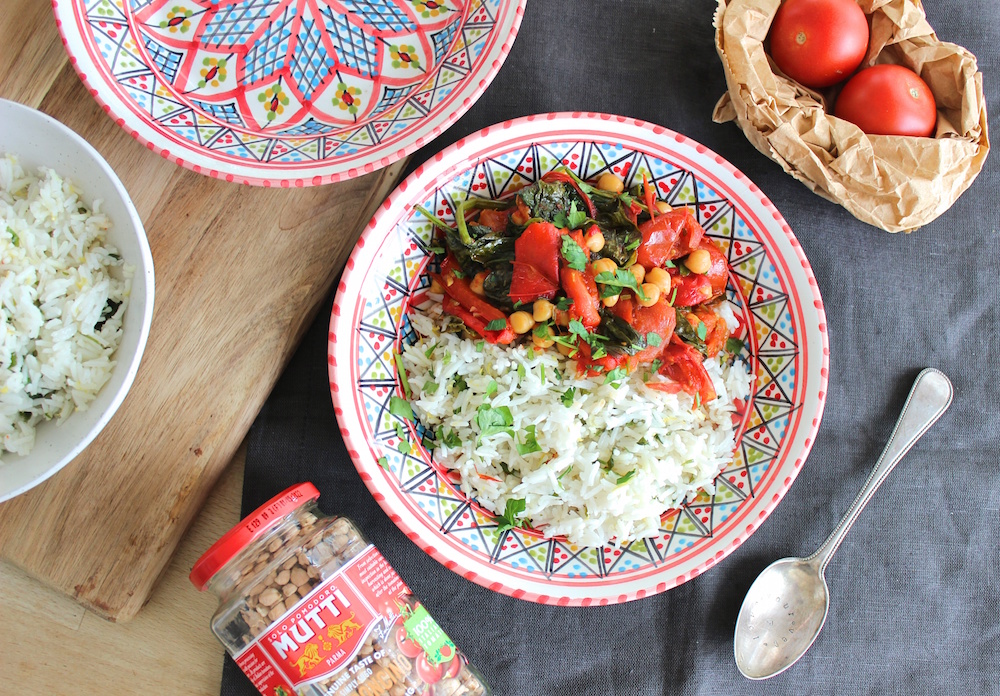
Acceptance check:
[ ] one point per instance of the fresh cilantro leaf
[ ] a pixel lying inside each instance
(400, 408)
(520, 371)
(404, 447)
(573, 254)
(702, 330)
(459, 384)
(508, 520)
(401, 371)
(384, 463)
(448, 438)
(447, 358)
(616, 375)
(625, 198)
(438, 249)
(734, 346)
(577, 328)
(497, 325)
(542, 370)
(530, 443)
(574, 220)
(13, 237)
(491, 388)
(542, 330)
(653, 339)
(494, 420)
(656, 365)
(480, 345)
(567, 397)
(634, 244)
(429, 353)
(697, 400)
(431, 387)
(400, 432)
(457, 273)
(559, 374)
(531, 352)
(622, 278)
(625, 478)
(564, 303)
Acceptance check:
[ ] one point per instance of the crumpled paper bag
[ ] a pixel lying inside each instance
(893, 182)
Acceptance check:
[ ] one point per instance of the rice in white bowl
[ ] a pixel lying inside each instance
(612, 458)
(63, 293)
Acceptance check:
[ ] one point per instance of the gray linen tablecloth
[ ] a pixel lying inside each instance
(915, 605)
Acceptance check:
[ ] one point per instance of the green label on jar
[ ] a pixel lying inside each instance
(425, 632)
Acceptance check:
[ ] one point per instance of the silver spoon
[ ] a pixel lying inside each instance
(786, 606)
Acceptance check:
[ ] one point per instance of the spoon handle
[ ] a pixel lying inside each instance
(929, 397)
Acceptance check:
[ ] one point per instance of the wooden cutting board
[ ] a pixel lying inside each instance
(240, 273)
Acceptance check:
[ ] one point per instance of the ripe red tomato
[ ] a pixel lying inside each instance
(819, 42)
(431, 674)
(888, 100)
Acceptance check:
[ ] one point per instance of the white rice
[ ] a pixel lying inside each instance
(611, 462)
(56, 283)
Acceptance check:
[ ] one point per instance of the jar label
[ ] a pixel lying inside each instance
(320, 640)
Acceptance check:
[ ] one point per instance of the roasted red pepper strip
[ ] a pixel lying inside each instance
(475, 323)
(684, 365)
(549, 177)
(659, 319)
(668, 236)
(691, 290)
(496, 220)
(582, 289)
(586, 364)
(528, 285)
(716, 331)
(649, 196)
(476, 307)
(539, 246)
(718, 272)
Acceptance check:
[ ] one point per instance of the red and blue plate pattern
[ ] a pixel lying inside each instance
(771, 283)
(287, 92)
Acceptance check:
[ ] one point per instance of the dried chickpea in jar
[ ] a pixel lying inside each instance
(307, 606)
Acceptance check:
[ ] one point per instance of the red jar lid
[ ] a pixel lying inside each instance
(252, 527)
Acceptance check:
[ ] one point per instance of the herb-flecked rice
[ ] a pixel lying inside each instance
(596, 462)
(63, 292)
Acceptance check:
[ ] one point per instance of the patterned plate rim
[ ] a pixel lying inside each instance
(464, 155)
(471, 88)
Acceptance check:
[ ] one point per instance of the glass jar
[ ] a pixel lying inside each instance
(307, 606)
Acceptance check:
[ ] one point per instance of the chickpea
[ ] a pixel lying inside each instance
(610, 182)
(542, 342)
(652, 293)
(663, 207)
(542, 310)
(699, 261)
(660, 278)
(604, 266)
(521, 322)
(436, 287)
(610, 301)
(477, 282)
(595, 239)
(639, 271)
(562, 317)
(565, 350)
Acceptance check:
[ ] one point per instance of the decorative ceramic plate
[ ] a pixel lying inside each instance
(287, 92)
(771, 284)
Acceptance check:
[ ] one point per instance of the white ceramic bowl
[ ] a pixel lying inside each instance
(40, 140)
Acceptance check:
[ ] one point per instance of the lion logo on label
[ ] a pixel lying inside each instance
(344, 630)
(310, 658)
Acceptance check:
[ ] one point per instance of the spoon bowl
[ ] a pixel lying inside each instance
(786, 606)
(781, 616)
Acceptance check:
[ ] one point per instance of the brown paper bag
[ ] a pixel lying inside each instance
(893, 182)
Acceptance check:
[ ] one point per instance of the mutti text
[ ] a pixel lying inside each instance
(313, 620)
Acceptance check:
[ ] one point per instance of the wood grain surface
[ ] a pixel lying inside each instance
(240, 273)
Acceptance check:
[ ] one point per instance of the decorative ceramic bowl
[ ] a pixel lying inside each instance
(287, 92)
(39, 140)
(771, 284)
